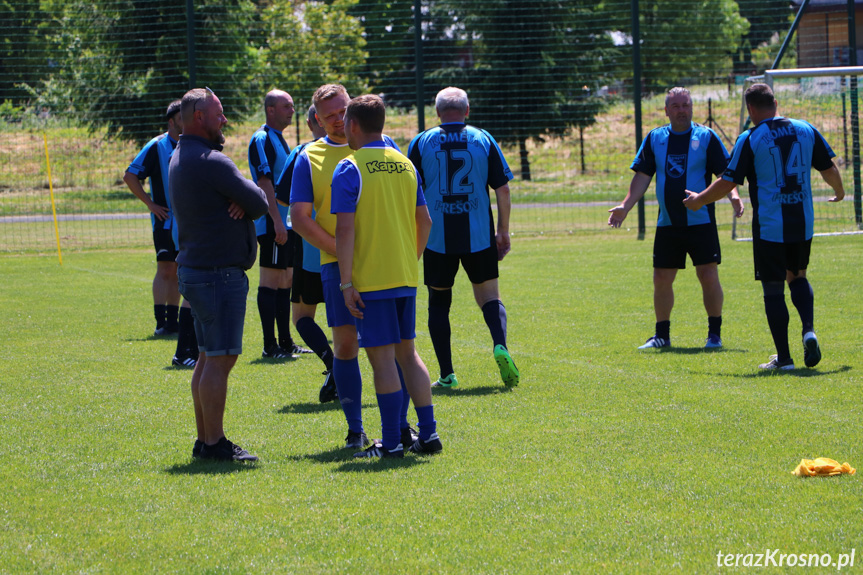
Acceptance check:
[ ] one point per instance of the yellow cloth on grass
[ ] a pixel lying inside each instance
(822, 466)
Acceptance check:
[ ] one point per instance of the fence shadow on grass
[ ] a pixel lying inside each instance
(210, 468)
(313, 407)
(696, 350)
(349, 463)
(468, 391)
(796, 372)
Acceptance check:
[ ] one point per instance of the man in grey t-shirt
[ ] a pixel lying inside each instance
(214, 207)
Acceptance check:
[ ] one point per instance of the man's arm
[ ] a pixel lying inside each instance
(228, 181)
(834, 179)
(504, 206)
(345, 253)
(266, 184)
(736, 202)
(424, 224)
(309, 229)
(637, 187)
(161, 212)
(713, 192)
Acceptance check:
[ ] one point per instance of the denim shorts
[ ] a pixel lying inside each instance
(218, 299)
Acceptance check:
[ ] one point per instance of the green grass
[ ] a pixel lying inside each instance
(603, 459)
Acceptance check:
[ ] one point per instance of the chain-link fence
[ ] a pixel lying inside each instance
(86, 84)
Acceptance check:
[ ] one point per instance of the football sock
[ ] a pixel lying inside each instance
(663, 330)
(439, 328)
(390, 404)
(495, 318)
(714, 325)
(159, 311)
(349, 384)
(186, 341)
(283, 318)
(267, 311)
(427, 423)
(316, 339)
(406, 400)
(171, 312)
(804, 300)
(777, 319)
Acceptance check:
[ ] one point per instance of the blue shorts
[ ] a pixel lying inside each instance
(218, 300)
(387, 321)
(337, 312)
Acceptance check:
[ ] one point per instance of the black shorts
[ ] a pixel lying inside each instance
(773, 259)
(275, 256)
(440, 269)
(672, 243)
(166, 251)
(308, 288)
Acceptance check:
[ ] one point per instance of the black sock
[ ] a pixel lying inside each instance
(439, 328)
(316, 339)
(171, 313)
(663, 330)
(714, 325)
(804, 300)
(495, 318)
(777, 319)
(267, 311)
(283, 318)
(159, 312)
(187, 343)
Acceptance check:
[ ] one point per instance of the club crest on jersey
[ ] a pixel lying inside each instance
(695, 144)
(675, 165)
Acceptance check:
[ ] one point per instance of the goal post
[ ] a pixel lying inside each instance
(827, 98)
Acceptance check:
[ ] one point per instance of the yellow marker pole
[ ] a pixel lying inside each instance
(53, 207)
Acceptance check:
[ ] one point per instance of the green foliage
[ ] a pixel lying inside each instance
(603, 460)
(311, 43)
(101, 75)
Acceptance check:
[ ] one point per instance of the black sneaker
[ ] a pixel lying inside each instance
(297, 349)
(428, 447)
(196, 449)
(378, 450)
(409, 435)
(356, 440)
(161, 332)
(224, 450)
(184, 361)
(328, 391)
(275, 352)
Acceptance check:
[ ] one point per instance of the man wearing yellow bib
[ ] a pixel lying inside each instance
(382, 227)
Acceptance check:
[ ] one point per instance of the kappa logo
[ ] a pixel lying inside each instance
(389, 167)
(675, 165)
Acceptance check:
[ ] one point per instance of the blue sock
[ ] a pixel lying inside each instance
(390, 404)
(349, 384)
(406, 400)
(495, 318)
(427, 423)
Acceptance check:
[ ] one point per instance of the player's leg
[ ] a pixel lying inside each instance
(284, 299)
(803, 298)
(166, 297)
(439, 272)
(704, 249)
(186, 354)
(307, 293)
(346, 367)
(669, 255)
(272, 270)
(770, 271)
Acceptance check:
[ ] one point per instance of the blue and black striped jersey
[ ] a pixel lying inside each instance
(268, 155)
(152, 162)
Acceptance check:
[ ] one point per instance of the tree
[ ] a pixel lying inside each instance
(312, 43)
(535, 65)
(24, 56)
(764, 17)
(121, 62)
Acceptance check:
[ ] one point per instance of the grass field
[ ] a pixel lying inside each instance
(604, 459)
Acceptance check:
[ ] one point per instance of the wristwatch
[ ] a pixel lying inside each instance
(343, 287)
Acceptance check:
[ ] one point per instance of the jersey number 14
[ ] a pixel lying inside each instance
(793, 166)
